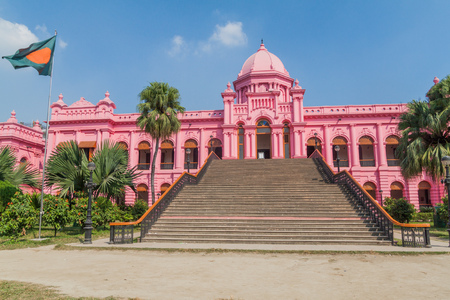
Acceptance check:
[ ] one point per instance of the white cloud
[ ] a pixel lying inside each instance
(42, 29)
(61, 43)
(230, 35)
(178, 45)
(14, 36)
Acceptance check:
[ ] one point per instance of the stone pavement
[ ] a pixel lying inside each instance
(437, 245)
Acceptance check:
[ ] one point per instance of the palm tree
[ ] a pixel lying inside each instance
(425, 138)
(67, 170)
(159, 108)
(22, 173)
(111, 173)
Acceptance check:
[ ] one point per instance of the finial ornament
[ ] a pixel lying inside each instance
(107, 94)
(60, 97)
(436, 80)
(262, 41)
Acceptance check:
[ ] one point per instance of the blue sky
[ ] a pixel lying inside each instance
(342, 52)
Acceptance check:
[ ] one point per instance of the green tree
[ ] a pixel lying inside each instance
(56, 212)
(18, 216)
(400, 209)
(67, 170)
(7, 191)
(14, 173)
(425, 134)
(159, 108)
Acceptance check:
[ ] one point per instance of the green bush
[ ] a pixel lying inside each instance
(400, 209)
(442, 209)
(422, 217)
(56, 212)
(18, 216)
(7, 191)
(138, 209)
(426, 209)
(103, 212)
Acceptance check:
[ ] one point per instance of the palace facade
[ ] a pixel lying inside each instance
(263, 117)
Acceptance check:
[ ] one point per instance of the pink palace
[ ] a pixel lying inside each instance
(263, 117)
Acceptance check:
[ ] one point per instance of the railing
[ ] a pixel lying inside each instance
(393, 162)
(166, 166)
(413, 235)
(122, 232)
(143, 166)
(367, 162)
(192, 165)
(342, 163)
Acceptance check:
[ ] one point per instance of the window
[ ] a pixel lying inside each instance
(396, 190)
(392, 142)
(241, 142)
(286, 141)
(366, 154)
(167, 155)
(88, 148)
(311, 145)
(343, 151)
(371, 189)
(144, 156)
(193, 156)
(216, 146)
(142, 192)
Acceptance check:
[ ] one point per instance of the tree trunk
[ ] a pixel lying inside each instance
(153, 170)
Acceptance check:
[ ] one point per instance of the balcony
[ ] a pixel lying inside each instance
(166, 166)
(393, 162)
(367, 162)
(143, 166)
(342, 163)
(192, 165)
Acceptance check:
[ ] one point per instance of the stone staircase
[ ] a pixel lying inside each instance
(264, 202)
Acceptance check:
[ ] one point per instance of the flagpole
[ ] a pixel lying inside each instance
(41, 212)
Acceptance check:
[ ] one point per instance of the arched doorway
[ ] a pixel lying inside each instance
(371, 189)
(286, 141)
(216, 146)
(366, 154)
(164, 187)
(396, 190)
(167, 155)
(123, 145)
(144, 156)
(241, 148)
(142, 192)
(392, 142)
(263, 139)
(193, 156)
(343, 151)
(311, 145)
(424, 194)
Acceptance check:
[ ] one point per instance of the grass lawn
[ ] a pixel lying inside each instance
(68, 235)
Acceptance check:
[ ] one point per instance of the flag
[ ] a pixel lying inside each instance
(38, 55)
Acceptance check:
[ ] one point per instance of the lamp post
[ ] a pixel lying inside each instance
(446, 181)
(88, 224)
(188, 152)
(337, 148)
(381, 195)
(315, 140)
(211, 138)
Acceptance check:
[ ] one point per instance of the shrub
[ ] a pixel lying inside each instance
(138, 209)
(18, 216)
(103, 212)
(426, 209)
(400, 209)
(7, 191)
(56, 212)
(422, 217)
(442, 209)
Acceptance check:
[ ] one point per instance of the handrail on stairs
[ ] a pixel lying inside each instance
(413, 235)
(122, 232)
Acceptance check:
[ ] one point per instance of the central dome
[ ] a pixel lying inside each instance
(262, 61)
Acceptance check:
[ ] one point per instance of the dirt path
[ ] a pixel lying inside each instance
(162, 275)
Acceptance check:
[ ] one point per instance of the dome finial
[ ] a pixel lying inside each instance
(436, 80)
(262, 42)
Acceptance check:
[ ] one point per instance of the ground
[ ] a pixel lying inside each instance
(158, 274)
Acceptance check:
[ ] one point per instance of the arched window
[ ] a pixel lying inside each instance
(343, 151)
(123, 145)
(424, 194)
(240, 142)
(263, 139)
(144, 156)
(88, 147)
(396, 190)
(312, 144)
(366, 154)
(23, 160)
(193, 156)
(286, 141)
(371, 189)
(142, 192)
(392, 142)
(216, 146)
(164, 187)
(167, 155)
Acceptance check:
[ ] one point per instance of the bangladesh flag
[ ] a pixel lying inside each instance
(38, 55)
